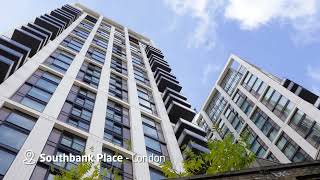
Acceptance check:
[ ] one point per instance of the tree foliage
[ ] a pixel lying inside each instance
(224, 155)
(87, 171)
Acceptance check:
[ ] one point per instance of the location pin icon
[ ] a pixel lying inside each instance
(29, 158)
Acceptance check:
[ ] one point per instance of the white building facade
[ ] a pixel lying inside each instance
(281, 117)
(76, 81)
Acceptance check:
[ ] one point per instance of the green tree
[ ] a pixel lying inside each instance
(86, 170)
(83, 172)
(224, 155)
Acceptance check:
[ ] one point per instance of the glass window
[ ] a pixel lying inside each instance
(215, 107)
(119, 65)
(234, 118)
(60, 60)
(100, 42)
(230, 80)
(156, 175)
(33, 104)
(5, 161)
(81, 32)
(117, 127)
(39, 94)
(118, 87)
(21, 121)
(291, 150)
(306, 127)
(78, 108)
(149, 127)
(37, 91)
(150, 131)
(7, 135)
(153, 144)
(96, 54)
(72, 43)
(146, 100)
(90, 74)
(314, 136)
(244, 103)
(255, 143)
(254, 85)
(278, 104)
(140, 75)
(46, 85)
(268, 127)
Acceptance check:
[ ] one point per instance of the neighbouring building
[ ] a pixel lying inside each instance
(281, 117)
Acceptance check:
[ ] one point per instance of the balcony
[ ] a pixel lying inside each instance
(157, 64)
(151, 50)
(5, 68)
(67, 19)
(164, 82)
(187, 132)
(182, 125)
(42, 36)
(27, 39)
(54, 29)
(197, 148)
(42, 30)
(67, 14)
(158, 72)
(156, 58)
(72, 10)
(55, 21)
(13, 56)
(177, 111)
(17, 47)
(170, 98)
(169, 91)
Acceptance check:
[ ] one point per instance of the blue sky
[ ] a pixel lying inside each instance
(198, 36)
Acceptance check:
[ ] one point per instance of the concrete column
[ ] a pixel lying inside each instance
(42, 129)
(140, 170)
(99, 112)
(172, 144)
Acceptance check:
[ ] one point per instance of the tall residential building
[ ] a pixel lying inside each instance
(178, 108)
(74, 81)
(281, 117)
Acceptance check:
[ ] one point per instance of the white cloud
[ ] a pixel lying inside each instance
(315, 89)
(314, 74)
(203, 12)
(303, 16)
(254, 13)
(208, 70)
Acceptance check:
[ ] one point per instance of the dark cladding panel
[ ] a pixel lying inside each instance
(41, 29)
(177, 111)
(164, 82)
(37, 33)
(13, 56)
(28, 40)
(5, 68)
(308, 96)
(17, 47)
(66, 19)
(91, 19)
(66, 13)
(54, 29)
